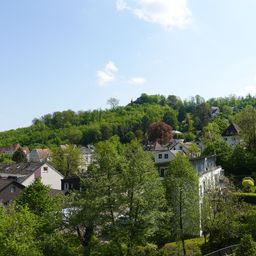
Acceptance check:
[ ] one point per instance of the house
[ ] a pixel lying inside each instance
(70, 183)
(10, 189)
(11, 149)
(214, 111)
(40, 155)
(210, 175)
(162, 156)
(186, 148)
(26, 173)
(232, 135)
(87, 156)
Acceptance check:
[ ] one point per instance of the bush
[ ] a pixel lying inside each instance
(247, 246)
(249, 198)
(150, 250)
(193, 247)
(248, 184)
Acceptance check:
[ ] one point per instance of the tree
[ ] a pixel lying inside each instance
(113, 103)
(99, 199)
(160, 132)
(143, 197)
(121, 196)
(6, 159)
(246, 120)
(222, 228)
(182, 195)
(170, 118)
(211, 133)
(67, 160)
(37, 198)
(247, 246)
(222, 150)
(201, 115)
(19, 156)
(18, 230)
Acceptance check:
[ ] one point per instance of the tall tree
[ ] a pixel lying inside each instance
(67, 160)
(113, 103)
(122, 195)
(182, 195)
(99, 199)
(246, 119)
(143, 197)
(201, 115)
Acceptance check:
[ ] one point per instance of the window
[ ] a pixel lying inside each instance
(160, 156)
(166, 156)
(66, 186)
(162, 173)
(13, 189)
(45, 169)
(200, 190)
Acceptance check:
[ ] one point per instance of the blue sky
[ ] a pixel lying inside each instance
(63, 54)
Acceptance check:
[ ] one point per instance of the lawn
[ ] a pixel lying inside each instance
(192, 247)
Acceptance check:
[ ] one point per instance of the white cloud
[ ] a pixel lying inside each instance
(110, 73)
(137, 80)
(107, 74)
(167, 13)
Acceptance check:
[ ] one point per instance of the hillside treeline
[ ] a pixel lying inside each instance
(128, 122)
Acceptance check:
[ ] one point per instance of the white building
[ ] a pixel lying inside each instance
(26, 173)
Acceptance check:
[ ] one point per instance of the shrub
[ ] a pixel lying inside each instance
(249, 198)
(247, 246)
(248, 183)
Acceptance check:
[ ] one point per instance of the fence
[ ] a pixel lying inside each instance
(224, 251)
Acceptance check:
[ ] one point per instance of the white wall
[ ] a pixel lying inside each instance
(209, 180)
(159, 160)
(48, 177)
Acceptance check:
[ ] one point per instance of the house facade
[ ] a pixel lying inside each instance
(210, 175)
(26, 173)
(10, 189)
(232, 135)
(40, 155)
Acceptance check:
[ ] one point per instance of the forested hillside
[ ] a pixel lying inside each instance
(128, 122)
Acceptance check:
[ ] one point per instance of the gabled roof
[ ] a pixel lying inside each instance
(232, 130)
(6, 182)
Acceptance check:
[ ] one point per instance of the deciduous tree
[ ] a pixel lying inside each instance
(182, 195)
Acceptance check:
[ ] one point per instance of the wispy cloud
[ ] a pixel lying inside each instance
(167, 13)
(107, 74)
(110, 73)
(137, 80)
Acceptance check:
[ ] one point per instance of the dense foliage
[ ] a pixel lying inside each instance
(128, 122)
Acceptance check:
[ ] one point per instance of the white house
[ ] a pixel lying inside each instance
(87, 156)
(210, 175)
(26, 173)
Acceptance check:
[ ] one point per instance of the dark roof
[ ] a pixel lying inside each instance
(6, 182)
(23, 169)
(232, 130)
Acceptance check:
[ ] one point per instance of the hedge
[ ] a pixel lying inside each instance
(249, 198)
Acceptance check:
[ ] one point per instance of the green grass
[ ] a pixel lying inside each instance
(192, 247)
